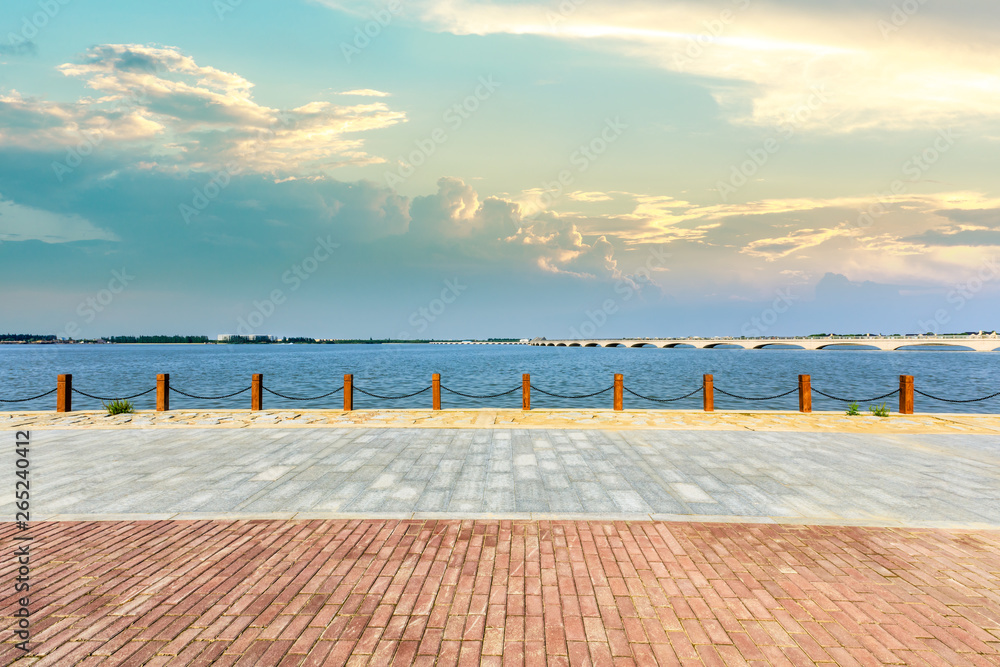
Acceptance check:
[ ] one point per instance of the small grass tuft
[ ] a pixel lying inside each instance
(119, 407)
(881, 410)
(853, 410)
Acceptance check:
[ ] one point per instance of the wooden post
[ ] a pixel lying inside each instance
(906, 394)
(64, 393)
(348, 393)
(619, 392)
(805, 394)
(709, 393)
(256, 392)
(436, 390)
(162, 392)
(526, 392)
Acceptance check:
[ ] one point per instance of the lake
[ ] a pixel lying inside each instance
(392, 370)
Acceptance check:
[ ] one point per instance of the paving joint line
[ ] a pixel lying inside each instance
(513, 516)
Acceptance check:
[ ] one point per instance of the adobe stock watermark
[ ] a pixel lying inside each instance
(89, 141)
(223, 7)
(294, 277)
(581, 160)
(370, 31)
(715, 28)
(768, 317)
(740, 174)
(625, 288)
(563, 10)
(421, 318)
(901, 14)
(34, 23)
(89, 308)
(960, 296)
(454, 117)
(915, 167)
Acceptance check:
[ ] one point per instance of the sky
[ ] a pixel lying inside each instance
(475, 168)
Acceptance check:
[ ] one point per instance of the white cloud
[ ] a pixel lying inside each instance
(179, 115)
(761, 61)
(495, 229)
(772, 249)
(366, 92)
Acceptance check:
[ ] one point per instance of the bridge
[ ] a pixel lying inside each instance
(977, 342)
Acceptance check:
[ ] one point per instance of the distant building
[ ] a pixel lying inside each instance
(225, 338)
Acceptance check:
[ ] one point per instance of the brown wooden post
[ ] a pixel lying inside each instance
(906, 394)
(619, 392)
(805, 394)
(709, 393)
(526, 392)
(257, 392)
(64, 393)
(348, 393)
(436, 390)
(162, 392)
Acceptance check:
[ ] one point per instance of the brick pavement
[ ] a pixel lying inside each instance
(505, 592)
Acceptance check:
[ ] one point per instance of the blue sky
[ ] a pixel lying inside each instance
(464, 168)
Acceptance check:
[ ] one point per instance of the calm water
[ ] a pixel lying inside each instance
(311, 370)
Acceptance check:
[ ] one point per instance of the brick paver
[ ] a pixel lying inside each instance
(332, 592)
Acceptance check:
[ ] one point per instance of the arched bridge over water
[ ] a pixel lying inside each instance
(979, 343)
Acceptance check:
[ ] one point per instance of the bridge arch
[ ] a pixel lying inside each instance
(574, 345)
(862, 347)
(778, 345)
(614, 345)
(592, 345)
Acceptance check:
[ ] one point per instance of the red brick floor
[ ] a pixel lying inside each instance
(502, 592)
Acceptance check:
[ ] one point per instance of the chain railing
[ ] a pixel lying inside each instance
(857, 400)
(952, 400)
(664, 400)
(25, 400)
(297, 398)
(906, 391)
(571, 398)
(113, 398)
(757, 398)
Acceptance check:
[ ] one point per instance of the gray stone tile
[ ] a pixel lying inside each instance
(792, 476)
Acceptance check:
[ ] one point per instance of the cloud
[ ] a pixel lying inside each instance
(496, 230)
(589, 197)
(366, 92)
(989, 217)
(961, 237)
(763, 61)
(772, 249)
(158, 103)
(24, 223)
(20, 48)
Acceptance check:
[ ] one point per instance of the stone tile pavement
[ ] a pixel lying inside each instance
(335, 592)
(913, 480)
(739, 547)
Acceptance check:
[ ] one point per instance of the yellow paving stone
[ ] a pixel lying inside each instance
(490, 418)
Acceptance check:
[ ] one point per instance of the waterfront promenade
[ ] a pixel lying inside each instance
(507, 537)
